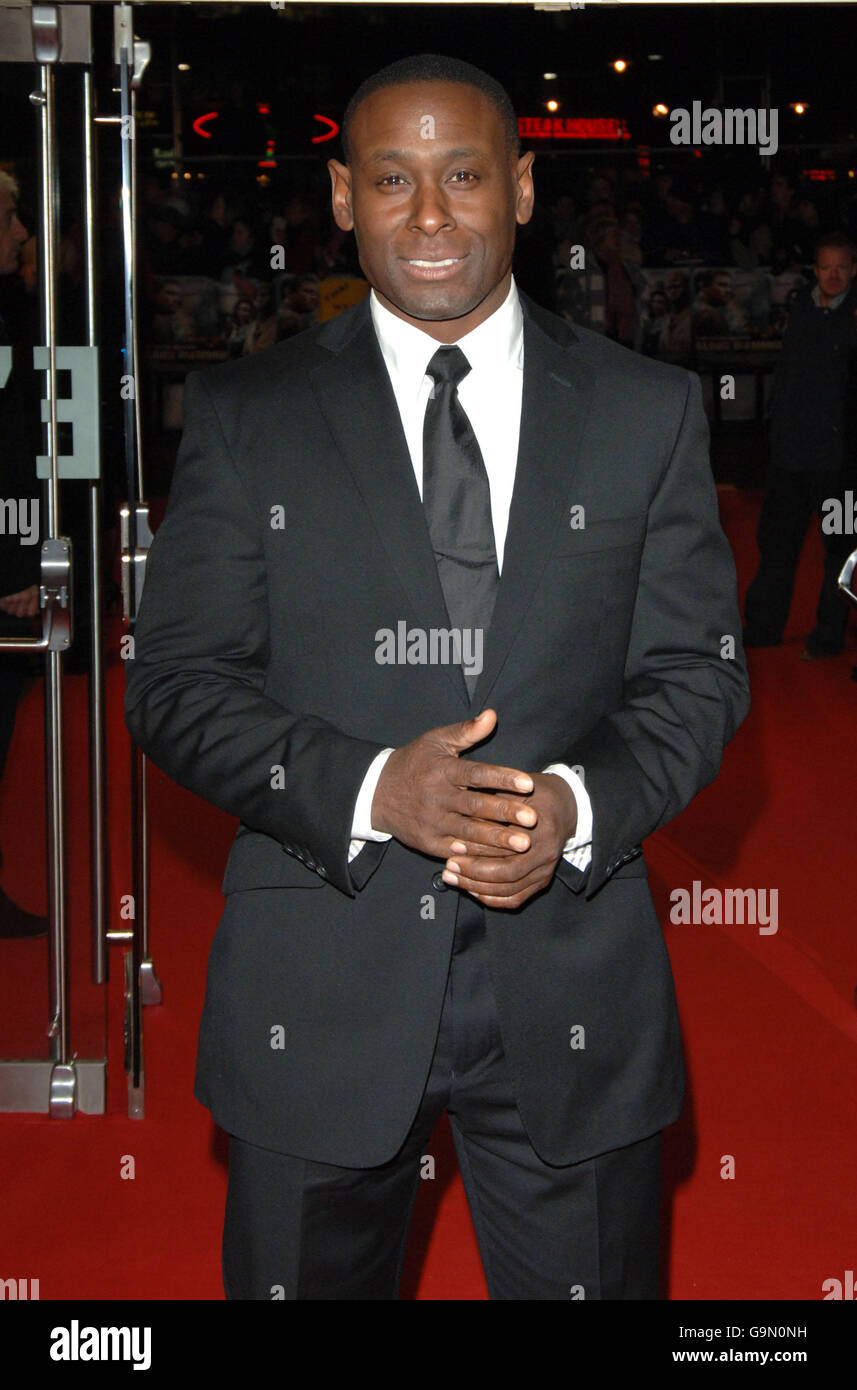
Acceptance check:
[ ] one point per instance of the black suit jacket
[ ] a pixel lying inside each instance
(256, 649)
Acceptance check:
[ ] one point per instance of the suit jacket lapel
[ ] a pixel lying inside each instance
(557, 395)
(354, 392)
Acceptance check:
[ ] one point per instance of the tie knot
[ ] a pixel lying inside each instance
(448, 365)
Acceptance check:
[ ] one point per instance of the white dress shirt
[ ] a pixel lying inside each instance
(490, 395)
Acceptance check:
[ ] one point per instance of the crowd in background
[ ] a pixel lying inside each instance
(625, 224)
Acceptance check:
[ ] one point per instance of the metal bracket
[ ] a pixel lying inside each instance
(136, 1094)
(63, 1094)
(144, 540)
(150, 985)
(846, 576)
(55, 601)
(47, 33)
(139, 52)
(55, 593)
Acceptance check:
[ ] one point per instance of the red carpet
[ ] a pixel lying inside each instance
(769, 1020)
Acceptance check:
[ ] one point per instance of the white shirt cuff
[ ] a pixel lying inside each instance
(577, 851)
(361, 822)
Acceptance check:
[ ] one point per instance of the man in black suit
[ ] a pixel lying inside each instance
(443, 497)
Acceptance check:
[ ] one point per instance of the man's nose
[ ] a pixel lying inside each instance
(429, 209)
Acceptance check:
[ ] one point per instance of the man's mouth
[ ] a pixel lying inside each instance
(428, 268)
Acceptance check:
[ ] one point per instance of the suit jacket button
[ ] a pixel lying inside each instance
(438, 883)
(321, 870)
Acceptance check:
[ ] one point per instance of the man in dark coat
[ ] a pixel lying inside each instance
(812, 454)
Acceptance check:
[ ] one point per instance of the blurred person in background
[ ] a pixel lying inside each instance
(299, 306)
(677, 331)
(19, 562)
(604, 296)
(812, 452)
(262, 329)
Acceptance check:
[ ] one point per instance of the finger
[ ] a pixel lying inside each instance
(459, 847)
(493, 777)
(503, 892)
(496, 873)
(474, 837)
(469, 731)
(506, 904)
(481, 806)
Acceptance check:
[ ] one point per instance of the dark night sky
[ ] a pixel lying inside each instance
(311, 57)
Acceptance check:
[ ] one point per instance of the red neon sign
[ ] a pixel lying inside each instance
(572, 128)
(334, 130)
(197, 125)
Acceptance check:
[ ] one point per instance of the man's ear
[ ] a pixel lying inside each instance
(525, 193)
(340, 183)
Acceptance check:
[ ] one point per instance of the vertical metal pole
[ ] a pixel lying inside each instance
(59, 1026)
(133, 490)
(142, 888)
(97, 816)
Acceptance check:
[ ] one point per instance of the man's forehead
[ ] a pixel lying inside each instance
(393, 118)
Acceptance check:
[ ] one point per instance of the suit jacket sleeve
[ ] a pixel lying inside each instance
(195, 694)
(685, 682)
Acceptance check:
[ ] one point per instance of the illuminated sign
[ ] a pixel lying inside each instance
(328, 134)
(819, 175)
(572, 128)
(198, 124)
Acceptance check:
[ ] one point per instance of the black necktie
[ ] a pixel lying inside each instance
(457, 502)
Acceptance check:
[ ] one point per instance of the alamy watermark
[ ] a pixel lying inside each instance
(19, 516)
(716, 906)
(434, 646)
(733, 126)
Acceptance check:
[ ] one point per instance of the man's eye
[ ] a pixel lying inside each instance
(388, 178)
(465, 175)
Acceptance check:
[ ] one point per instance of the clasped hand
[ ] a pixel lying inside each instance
(500, 830)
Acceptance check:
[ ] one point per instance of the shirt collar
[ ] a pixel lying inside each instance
(496, 345)
(833, 303)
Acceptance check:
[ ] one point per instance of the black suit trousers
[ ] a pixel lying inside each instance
(790, 501)
(296, 1229)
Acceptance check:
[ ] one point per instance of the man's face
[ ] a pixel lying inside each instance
(781, 193)
(834, 270)
(721, 287)
(433, 197)
(13, 234)
(608, 243)
(305, 297)
(169, 298)
(675, 285)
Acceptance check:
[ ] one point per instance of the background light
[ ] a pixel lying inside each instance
(619, 65)
(552, 105)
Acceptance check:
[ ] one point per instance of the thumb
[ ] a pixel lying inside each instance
(470, 731)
